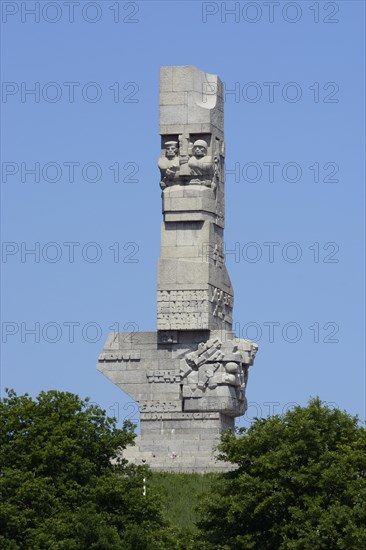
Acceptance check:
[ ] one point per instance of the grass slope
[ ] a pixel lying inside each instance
(181, 494)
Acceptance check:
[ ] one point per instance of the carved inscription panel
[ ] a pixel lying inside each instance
(163, 376)
(192, 309)
(132, 355)
(222, 303)
(183, 309)
(159, 406)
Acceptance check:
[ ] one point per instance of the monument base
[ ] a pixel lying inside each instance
(190, 385)
(181, 442)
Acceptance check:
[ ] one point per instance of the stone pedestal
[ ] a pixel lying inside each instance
(190, 376)
(190, 385)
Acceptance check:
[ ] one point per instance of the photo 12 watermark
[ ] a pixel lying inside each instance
(66, 332)
(270, 12)
(30, 12)
(130, 411)
(70, 252)
(271, 171)
(69, 92)
(274, 92)
(289, 332)
(69, 171)
(253, 252)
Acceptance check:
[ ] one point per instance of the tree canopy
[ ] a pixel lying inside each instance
(59, 488)
(300, 483)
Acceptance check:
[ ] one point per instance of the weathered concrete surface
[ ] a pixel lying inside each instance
(190, 376)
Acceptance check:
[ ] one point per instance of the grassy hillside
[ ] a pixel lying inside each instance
(181, 494)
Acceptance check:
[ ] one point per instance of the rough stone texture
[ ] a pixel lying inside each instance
(190, 376)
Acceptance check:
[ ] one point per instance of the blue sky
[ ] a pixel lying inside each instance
(294, 130)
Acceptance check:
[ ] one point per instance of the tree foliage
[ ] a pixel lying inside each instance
(59, 488)
(300, 483)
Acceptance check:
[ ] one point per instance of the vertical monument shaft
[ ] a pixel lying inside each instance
(189, 377)
(194, 289)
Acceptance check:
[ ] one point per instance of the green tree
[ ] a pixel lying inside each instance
(300, 483)
(59, 488)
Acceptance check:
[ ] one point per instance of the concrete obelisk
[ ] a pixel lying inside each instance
(189, 377)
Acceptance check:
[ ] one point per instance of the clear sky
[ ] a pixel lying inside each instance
(91, 210)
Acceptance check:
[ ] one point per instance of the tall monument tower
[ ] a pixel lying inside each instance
(189, 378)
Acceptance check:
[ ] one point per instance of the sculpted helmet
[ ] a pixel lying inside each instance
(200, 143)
(169, 143)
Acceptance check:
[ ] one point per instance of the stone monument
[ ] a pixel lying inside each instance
(189, 378)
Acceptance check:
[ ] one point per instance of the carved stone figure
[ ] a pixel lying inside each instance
(190, 376)
(211, 366)
(201, 164)
(169, 164)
